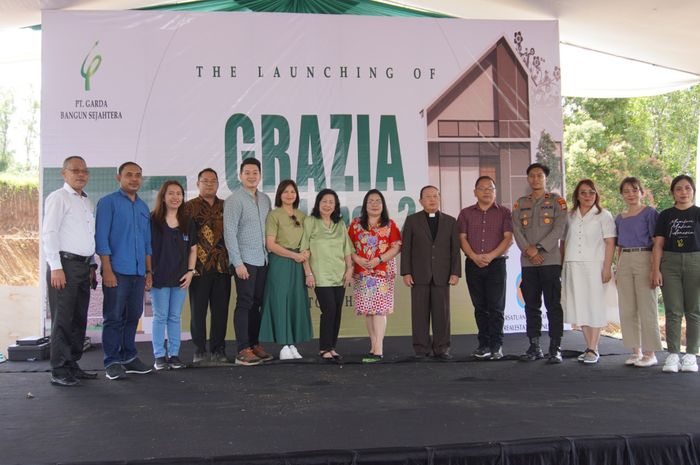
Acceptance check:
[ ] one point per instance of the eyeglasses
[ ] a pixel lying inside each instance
(486, 189)
(209, 181)
(78, 171)
(296, 221)
(587, 193)
(374, 202)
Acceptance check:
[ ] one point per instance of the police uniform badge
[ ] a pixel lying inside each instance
(562, 203)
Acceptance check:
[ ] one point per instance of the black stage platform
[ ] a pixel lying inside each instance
(399, 411)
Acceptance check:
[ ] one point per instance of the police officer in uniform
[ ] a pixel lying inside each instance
(539, 220)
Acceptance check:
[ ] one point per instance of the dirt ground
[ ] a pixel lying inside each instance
(19, 237)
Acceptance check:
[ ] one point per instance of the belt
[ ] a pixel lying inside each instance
(74, 258)
(638, 249)
(500, 257)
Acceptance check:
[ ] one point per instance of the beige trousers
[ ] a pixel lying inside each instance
(639, 313)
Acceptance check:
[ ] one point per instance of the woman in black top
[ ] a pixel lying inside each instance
(174, 244)
(676, 268)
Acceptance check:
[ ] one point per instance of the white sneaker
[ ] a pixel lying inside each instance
(295, 352)
(645, 361)
(633, 359)
(286, 353)
(689, 363)
(672, 364)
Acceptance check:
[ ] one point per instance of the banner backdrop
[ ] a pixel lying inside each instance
(346, 102)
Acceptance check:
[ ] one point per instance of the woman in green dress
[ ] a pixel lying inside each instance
(285, 312)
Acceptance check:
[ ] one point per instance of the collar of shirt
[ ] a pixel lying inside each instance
(70, 190)
(123, 192)
(477, 207)
(432, 215)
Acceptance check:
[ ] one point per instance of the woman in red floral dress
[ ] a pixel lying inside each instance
(376, 241)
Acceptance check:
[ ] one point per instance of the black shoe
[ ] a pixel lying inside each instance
(78, 373)
(115, 371)
(136, 366)
(219, 358)
(175, 363)
(161, 363)
(496, 353)
(482, 352)
(534, 352)
(66, 380)
(554, 355)
(445, 357)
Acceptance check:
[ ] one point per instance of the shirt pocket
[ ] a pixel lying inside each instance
(142, 222)
(525, 219)
(546, 216)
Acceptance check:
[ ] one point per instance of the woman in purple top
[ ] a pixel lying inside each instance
(637, 296)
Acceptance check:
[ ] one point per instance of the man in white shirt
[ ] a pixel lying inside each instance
(69, 247)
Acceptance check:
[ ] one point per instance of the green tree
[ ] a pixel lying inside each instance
(548, 155)
(31, 134)
(651, 138)
(7, 110)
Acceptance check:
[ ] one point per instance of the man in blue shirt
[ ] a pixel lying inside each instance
(123, 242)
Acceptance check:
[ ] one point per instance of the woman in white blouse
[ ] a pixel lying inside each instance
(587, 254)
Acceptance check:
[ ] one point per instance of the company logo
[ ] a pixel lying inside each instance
(518, 292)
(92, 67)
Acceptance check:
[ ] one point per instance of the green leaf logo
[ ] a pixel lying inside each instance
(92, 67)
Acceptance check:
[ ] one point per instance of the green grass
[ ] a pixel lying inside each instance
(17, 181)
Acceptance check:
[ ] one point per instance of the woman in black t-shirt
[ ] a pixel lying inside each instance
(676, 268)
(174, 244)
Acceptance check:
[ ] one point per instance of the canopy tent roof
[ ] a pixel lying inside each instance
(619, 48)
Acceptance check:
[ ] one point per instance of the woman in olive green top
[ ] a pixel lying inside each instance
(329, 268)
(285, 311)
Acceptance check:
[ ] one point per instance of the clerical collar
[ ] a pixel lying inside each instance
(432, 215)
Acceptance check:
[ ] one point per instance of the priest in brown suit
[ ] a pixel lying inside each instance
(430, 264)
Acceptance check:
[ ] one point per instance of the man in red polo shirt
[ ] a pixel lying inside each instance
(486, 233)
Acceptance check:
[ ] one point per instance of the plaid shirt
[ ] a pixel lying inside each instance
(484, 229)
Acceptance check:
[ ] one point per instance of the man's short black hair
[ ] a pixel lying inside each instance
(425, 188)
(207, 170)
(250, 161)
(127, 163)
(544, 168)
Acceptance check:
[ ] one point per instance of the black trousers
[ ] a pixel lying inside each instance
(487, 288)
(430, 302)
(248, 312)
(213, 291)
(544, 281)
(69, 309)
(330, 299)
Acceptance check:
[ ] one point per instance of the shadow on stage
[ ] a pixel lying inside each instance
(399, 411)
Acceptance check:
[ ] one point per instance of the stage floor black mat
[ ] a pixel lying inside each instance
(286, 407)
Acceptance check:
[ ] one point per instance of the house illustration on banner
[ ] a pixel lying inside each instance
(481, 126)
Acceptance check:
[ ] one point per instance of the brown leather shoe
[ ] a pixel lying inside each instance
(246, 357)
(261, 354)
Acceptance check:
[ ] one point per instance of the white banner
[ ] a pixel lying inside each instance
(346, 102)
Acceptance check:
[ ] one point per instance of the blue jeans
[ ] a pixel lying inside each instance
(167, 308)
(121, 311)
